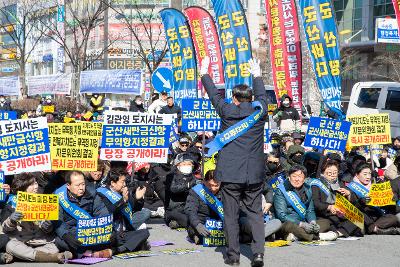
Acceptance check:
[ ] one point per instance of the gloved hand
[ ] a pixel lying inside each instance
(46, 226)
(72, 241)
(16, 216)
(205, 63)
(254, 67)
(202, 230)
(307, 227)
(280, 113)
(315, 226)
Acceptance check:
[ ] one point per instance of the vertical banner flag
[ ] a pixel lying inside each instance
(37, 207)
(199, 115)
(74, 146)
(206, 42)
(235, 43)
(285, 48)
(323, 44)
(396, 5)
(182, 53)
(134, 136)
(24, 146)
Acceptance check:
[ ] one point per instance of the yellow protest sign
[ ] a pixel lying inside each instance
(68, 120)
(277, 244)
(74, 146)
(350, 211)
(48, 109)
(369, 129)
(37, 207)
(381, 195)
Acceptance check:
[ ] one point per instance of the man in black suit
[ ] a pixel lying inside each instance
(240, 166)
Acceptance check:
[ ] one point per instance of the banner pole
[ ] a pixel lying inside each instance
(372, 161)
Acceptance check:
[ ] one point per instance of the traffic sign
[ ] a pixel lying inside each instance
(161, 79)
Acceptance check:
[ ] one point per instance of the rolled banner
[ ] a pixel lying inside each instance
(182, 54)
(236, 130)
(206, 42)
(235, 43)
(285, 48)
(323, 44)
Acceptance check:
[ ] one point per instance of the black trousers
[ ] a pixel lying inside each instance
(131, 240)
(178, 215)
(250, 196)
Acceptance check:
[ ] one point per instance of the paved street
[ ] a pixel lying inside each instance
(368, 251)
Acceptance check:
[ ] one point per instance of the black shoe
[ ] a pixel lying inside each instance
(173, 225)
(232, 262)
(258, 260)
(387, 231)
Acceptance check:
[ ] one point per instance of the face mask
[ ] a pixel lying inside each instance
(273, 167)
(139, 103)
(48, 101)
(185, 169)
(2, 100)
(297, 159)
(286, 103)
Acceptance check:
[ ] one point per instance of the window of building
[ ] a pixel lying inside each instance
(368, 97)
(393, 100)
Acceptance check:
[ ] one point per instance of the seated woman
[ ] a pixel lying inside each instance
(294, 207)
(115, 199)
(30, 241)
(323, 194)
(178, 184)
(375, 219)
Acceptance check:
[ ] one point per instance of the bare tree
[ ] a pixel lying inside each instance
(385, 66)
(19, 22)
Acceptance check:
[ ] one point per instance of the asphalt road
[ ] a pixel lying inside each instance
(368, 251)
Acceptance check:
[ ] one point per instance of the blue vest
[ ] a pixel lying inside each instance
(212, 201)
(69, 207)
(294, 200)
(114, 197)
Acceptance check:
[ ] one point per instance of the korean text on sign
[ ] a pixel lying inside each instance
(199, 115)
(24, 146)
(350, 212)
(369, 129)
(217, 236)
(94, 231)
(37, 207)
(139, 137)
(326, 133)
(75, 145)
(8, 115)
(381, 195)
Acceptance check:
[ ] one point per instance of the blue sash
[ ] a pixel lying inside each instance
(212, 201)
(279, 178)
(12, 200)
(70, 208)
(236, 130)
(114, 197)
(294, 201)
(358, 189)
(320, 185)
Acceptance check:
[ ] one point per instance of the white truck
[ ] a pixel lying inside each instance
(377, 97)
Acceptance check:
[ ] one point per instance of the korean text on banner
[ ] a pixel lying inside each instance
(285, 50)
(324, 133)
(94, 231)
(267, 141)
(111, 81)
(182, 54)
(323, 44)
(199, 115)
(74, 146)
(217, 236)
(56, 84)
(24, 146)
(235, 43)
(2, 191)
(37, 207)
(381, 195)
(8, 115)
(134, 136)
(206, 42)
(350, 212)
(369, 129)
(9, 86)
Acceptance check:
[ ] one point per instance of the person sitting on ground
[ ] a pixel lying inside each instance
(29, 240)
(115, 199)
(294, 207)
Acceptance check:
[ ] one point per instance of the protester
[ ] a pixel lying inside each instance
(29, 241)
(171, 108)
(4, 104)
(157, 104)
(137, 104)
(294, 155)
(287, 116)
(94, 178)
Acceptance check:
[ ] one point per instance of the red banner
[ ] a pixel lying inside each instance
(396, 5)
(205, 39)
(285, 48)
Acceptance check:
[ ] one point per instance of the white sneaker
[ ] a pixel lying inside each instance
(291, 237)
(160, 212)
(154, 213)
(328, 236)
(142, 226)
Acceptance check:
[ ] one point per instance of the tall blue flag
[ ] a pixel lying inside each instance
(183, 57)
(235, 42)
(323, 44)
